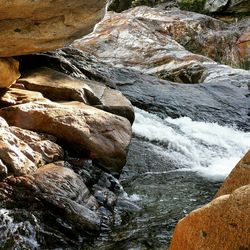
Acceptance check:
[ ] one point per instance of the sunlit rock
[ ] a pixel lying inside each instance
(8, 72)
(31, 26)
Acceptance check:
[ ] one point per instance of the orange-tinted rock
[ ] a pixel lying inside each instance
(31, 26)
(240, 176)
(243, 45)
(15, 96)
(103, 136)
(8, 72)
(221, 224)
(57, 86)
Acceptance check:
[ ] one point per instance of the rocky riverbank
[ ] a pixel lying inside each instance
(66, 121)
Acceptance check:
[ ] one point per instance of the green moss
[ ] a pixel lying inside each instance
(120, 5)
(192, 5)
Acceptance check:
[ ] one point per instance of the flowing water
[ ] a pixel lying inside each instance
(174, 166)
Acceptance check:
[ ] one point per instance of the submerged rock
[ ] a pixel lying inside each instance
(32, 26)
(8, 72)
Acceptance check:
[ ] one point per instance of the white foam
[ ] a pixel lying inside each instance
(208, 148)
(10, 228)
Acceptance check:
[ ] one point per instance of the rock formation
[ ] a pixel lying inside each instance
(224, 222)
(8, 72)
(216, 6)
(32, 26)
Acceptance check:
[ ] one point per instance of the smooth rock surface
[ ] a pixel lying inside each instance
(8, 72)
(101, 135)
(221, 224)
(31, 26)
(57, 86)
(240, 176)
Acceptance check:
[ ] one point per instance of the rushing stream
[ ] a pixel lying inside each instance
(174, 166)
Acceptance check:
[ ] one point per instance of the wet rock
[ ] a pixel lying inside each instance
(62, 188)
(44, 26)
(23, 151)
(9, 72)
(240, 176)
(223, 223)
(61, 191)
(97, 134)
(223, 98)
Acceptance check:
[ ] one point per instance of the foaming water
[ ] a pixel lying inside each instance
(15, 232)
(207, 148)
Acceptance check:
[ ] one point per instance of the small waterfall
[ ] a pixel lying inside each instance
(209, 149)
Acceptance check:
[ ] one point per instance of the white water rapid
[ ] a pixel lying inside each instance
(209, 149)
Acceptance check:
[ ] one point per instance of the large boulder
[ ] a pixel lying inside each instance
(57, 86)
(8, 72)
(159, 42)
(221, 224)
(93, 132)
(23, 151)
(30, 26)
(240, 176)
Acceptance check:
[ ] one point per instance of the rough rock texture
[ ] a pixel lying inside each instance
(221, 224)
(101, 135)
(23, 151)
(112, 101)
(15, 96)
(30, 26)
(240, 176)
(61, 189)
(224, 99)
(8, 72)
(216, 6)
(159, 42)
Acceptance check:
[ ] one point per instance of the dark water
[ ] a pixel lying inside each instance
(164, 196)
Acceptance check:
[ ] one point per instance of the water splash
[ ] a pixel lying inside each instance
(15, 233)
(207, 148)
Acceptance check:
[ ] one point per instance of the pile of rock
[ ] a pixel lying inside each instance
(60, 136)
